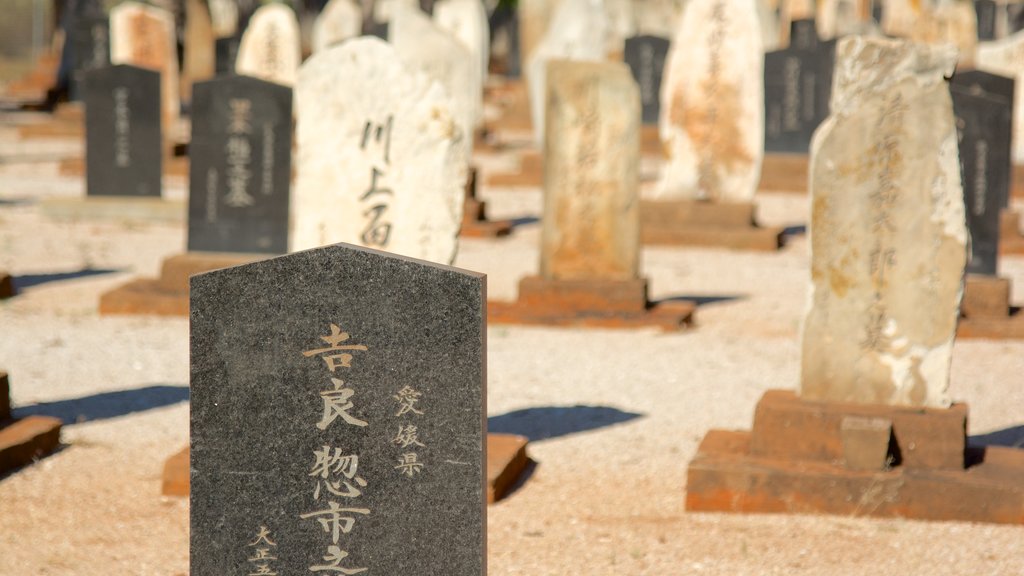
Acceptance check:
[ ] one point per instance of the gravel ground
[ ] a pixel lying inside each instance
(627, 408)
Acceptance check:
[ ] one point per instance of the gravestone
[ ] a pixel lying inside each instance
(533, 19)
(380, 155)
(123, 150)
(953, 23)
(143, 36)
(1006, 58)
(339, 21)
(90, 38)
(797, 87)
(270, 48)
(1014, 18)
(466, 20)
(241, 166)
(224, 17)
(656, 17)
(226, 54)
(983, 104)
(985, 11)
(888, 240)
(645, 56)
(371, 459)
(712, 113)
(200, 52)
(900, 17)
(591, 225)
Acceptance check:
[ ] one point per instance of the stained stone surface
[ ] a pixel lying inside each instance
(335, 420)
(467, 21)
(952, 23)
(241, 164)
(123, 150)
(380, 155)
(534, 18)
(224, 17)
(797, 89)
(339, 21)
(270, 48)
(1006, 57)
(712, 107)
(983, 104)
(645, 56)
(591, 227)
(422, 45)
(143, 36)
(887, 231)
(200, 62)
(577, 32)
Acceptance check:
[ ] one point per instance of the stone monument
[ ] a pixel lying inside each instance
(270, 48)
(23, 440)
(339, 21)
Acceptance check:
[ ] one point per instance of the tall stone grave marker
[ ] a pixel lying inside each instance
(123, 152)
(952, 22)
(712, 104)
(200, 53)
(372, 458)
(380, 155)
(646, 58)
(143, 36)
(1006, 57)
(240, 172)
(90, 47)
(797, 87)
(986, 12)
(467, 21)
(888, 238)
(270, 48)
(339, 21)
(533, 20)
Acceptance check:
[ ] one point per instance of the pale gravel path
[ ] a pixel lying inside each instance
(604, 501)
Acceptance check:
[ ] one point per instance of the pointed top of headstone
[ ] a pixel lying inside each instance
(270, 47)
(339, 21)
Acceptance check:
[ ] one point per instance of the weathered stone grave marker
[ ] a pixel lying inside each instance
(797, 87)
(200, 60)
(466, 20)
(143, 36)
(90, 39)
(270, 47)
(339, 21)
(372, 459)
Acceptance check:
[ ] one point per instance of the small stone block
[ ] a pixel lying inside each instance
(176, 270)
(705, 224)
(506, 460)
(865, 442)
(1011, 241)
(176, 474)
(143, 297)
(5, 397)
(6, 285)
(986, 297)
(26, 439)
(598, 295)
(784, 173)
(689, 213)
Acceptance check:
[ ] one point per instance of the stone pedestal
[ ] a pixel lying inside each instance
(474, 215)
(176, 479)
(589, 303)
(781, 172)
(168, 294)
(707, 224)
(6, 285)
(1011, 241)
(856, 459)
(23, 440)
(986, 312)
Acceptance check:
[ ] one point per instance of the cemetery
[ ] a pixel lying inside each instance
(470, 287)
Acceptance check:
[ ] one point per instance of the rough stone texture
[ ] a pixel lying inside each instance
(423, 46)
(887, 232)
(951, 23)
(339, 21)
(367, 125)
(200, 62)
(712, 224)
(467, 21)
(1006, 57)
(143, 36)
(712, 104)
(865, 442)
(591, 221)
(577, 32)
(270, 48)
(336, 326)
(986, 297)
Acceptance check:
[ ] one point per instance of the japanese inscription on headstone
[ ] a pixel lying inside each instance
(90, 38)
(142, 35)
(646, 58)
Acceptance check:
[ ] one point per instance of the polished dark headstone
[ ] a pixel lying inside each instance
(123, 150)
(797, 89)
(986, 12)
(225, 54)
(90, 38)
(338, 416)
(984, 129)
(645, 56)
(241, 164)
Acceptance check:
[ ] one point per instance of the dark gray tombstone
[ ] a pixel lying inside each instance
(797, 89)
(1015, 17)
(225, 54)
(337, 416)
(90, 38)
(240, 167)
(646, 58)
(986, 12)
(123, 150)
(984, 129)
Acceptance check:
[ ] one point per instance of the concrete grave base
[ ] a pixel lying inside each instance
(530, 174)
(782, 172)
(474, 215)
(985, 310)
(6, 285)
(176, 166)
(23, 440)
(168, 294)
(808, 457)
(506, 460)
(119, 208)
(707, 224)
(590, 303)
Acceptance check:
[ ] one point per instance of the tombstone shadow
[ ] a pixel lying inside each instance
(523, 221)
(13, 202)
(30, 280)
(1010, 437)
(545, 422)
(107, 404)
(702, 300)
(798, 230)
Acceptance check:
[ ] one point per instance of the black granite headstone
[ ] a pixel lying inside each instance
(90, 50)
(645, 56)
(797, 89)
(240, 168)
(1015, 17)
(123, 150)
(338, 417)
(225, 54)
(984, 128)
(986, 13)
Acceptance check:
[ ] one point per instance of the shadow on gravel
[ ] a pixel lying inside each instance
(1011, 437)
(524, 221)
(553, 421)
(30, 280)
(107, 404)
(799, 230)
(701, 300)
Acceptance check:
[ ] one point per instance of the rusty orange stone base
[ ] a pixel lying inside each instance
(706, 224)
(6, 285)
(176, 166)
(474, 215)
(23, 440)
(786, 173)
(168, 294)
(650, 141)
(589, 303)
(177, 476)
(985, 310)
(808, 457)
